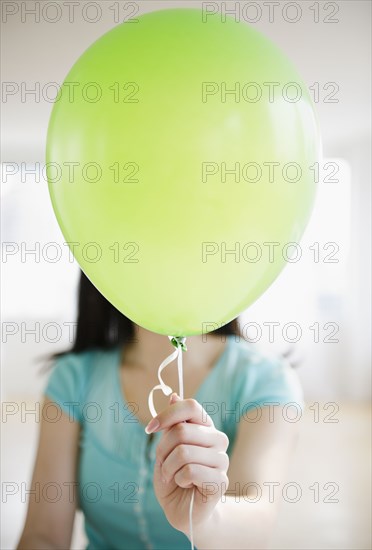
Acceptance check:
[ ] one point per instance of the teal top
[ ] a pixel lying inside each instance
(116, 459)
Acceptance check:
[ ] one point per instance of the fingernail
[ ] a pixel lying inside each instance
(152, 426)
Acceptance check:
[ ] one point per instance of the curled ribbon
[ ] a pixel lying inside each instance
(180, 345)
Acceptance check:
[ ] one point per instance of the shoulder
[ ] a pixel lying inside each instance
(70, 378)
(70, 368)
(261, 376)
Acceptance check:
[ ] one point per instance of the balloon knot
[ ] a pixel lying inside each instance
(178, 342)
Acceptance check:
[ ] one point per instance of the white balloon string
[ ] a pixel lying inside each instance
(179, 343)
(180, 374)
(162, 386)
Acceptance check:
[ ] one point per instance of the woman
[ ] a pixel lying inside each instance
(134, 486)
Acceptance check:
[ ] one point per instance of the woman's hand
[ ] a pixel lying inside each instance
(191, 453)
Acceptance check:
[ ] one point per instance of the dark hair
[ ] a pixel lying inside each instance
(101, 325)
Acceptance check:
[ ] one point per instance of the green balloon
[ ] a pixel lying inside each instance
(178, 162)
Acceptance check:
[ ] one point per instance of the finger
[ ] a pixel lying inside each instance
(185, 433)
(186, 410)
(174, 398)
(191, 454)
(208, 480)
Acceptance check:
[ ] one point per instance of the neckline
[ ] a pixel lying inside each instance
(121, 393)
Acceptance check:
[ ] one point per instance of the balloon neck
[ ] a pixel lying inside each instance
(178, 342)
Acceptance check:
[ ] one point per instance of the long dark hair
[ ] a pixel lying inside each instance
(100, 325)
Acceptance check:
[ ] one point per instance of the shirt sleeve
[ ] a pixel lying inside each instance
(271, 381)
(65, 385)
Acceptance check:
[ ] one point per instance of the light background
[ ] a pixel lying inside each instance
(307, 292)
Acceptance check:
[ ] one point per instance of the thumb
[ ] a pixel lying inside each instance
(174, 398)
